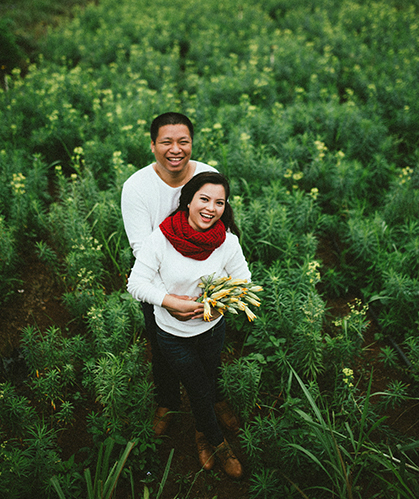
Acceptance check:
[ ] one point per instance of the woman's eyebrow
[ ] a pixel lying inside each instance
(208, 196)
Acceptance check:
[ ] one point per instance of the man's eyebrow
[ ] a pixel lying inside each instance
(171, 138)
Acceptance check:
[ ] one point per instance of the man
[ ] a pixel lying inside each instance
(148, 197)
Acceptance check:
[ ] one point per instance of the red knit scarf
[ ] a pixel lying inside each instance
(188, 241)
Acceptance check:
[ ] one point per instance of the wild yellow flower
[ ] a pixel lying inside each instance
(18, 183)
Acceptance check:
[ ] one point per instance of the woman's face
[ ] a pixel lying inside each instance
(206, 207)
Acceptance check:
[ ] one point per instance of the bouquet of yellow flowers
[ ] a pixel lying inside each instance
(228, 295)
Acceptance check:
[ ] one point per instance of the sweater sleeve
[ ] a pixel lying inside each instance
(144, 282)
(136, 216)
(236, 265)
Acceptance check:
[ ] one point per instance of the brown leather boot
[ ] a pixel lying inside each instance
(229, 462)
(161, 420)
(205, 451)
(227, 417)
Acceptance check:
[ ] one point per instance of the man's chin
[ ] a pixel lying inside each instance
(176, 167)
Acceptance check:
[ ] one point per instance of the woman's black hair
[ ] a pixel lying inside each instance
(192, 187)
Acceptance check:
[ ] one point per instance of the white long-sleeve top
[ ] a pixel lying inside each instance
(159, 270)
(147, 200)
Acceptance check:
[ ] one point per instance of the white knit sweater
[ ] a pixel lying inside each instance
(147, 200)
(159, 270)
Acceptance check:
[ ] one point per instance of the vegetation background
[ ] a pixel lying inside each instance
(311, 110)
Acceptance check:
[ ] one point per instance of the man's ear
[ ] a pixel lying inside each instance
(152, 146)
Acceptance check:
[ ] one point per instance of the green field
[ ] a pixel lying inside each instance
(311, 109)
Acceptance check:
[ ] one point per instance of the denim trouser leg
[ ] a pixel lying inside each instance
(195, 361)
(165, 381)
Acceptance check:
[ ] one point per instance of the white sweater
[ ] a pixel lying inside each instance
(159, 270)
(147, 200)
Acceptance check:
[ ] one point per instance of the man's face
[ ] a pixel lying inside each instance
(172, 149)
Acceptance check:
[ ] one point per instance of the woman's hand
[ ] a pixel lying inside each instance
(183, 308)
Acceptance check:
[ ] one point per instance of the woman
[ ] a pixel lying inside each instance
(197, 240)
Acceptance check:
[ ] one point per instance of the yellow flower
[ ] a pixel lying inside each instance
(207, 310)
(252, 301)
(252, 295)
(220, 294)
(227, 294)
(232, 310)
(250, 315)
(237, 282)
(221, 280)
(241, 306)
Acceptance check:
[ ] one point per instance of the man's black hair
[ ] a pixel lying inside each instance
(169, 119)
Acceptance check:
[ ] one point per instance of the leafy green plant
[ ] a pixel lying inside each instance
(388, 356)
(290, 321)
(47, 255)
(27, 464)
(8, 261)
(120, 384)
(395, 394)
(347, 454)
(16, 413)
(11, 54)
(105, 480)
(115, 322)
(412, 345)
(346, 344)
(240, 383)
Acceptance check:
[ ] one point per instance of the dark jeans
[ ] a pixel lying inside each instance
(166, 382)
(195, 360)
